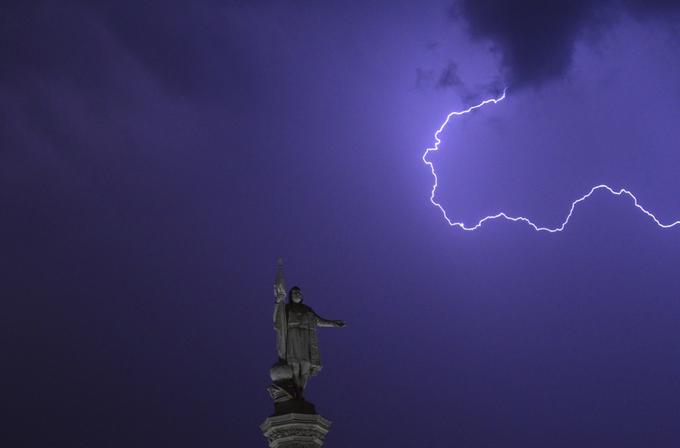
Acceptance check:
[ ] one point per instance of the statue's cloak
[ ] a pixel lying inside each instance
(295, 324)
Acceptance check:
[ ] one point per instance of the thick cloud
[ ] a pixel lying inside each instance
(536, 37)
(449, 77)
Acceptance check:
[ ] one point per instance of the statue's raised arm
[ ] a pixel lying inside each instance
(280, 324)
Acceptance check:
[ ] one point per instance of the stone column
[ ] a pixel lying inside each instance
(295, 430)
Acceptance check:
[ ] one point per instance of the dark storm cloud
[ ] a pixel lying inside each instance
(449, 77)
(536, 38)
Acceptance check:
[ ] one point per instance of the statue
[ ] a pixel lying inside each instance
(297, 347)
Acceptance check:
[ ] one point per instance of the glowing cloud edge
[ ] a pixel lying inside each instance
(503, 215)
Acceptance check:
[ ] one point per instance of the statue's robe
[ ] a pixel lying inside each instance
(296, 324)
(301, 343)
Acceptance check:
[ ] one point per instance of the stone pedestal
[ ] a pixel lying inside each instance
(295, 430)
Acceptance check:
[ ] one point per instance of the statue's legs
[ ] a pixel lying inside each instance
(301, 372)
(305, 367)
(296, 378)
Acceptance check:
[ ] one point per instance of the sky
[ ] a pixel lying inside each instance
(156, 158)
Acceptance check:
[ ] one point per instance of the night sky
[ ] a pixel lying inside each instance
(157, 157)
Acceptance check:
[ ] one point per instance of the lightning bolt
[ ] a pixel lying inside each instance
(503, 215)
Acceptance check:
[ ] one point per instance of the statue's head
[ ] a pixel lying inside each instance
(295, 295)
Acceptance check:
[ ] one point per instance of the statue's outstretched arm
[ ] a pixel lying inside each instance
(321, 322)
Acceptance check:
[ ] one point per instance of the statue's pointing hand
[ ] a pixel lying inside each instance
(339, 323)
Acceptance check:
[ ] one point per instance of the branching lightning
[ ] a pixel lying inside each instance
(503, 215)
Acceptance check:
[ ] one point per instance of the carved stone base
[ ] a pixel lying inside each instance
(295, 430)
(294, 407)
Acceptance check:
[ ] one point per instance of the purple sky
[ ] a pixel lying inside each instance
(155, 161)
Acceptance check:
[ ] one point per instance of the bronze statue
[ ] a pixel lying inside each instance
(295, 324)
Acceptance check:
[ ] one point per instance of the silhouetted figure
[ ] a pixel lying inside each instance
(297, 345)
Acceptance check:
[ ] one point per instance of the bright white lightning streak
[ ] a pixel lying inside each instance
(503, 215)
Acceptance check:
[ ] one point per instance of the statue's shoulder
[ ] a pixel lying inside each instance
(299, 308)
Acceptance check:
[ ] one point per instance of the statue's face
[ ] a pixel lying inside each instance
(296, 296)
